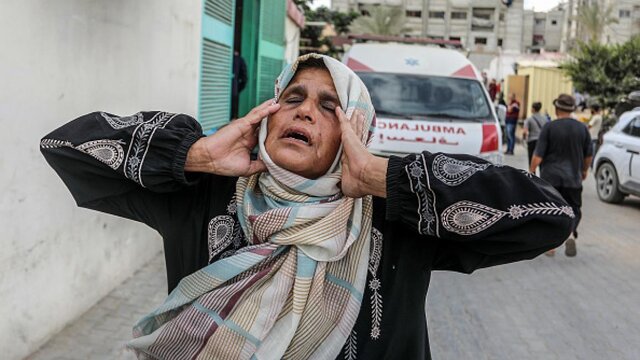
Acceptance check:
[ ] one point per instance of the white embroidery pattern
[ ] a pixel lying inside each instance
(109, 152)
(140, 141)
(427, 216)
(118, 122)
(527, 173)
(53, 143)
(231, 207)
(216, 246)
(220, 234)
(351, 347)
(546, 208)
(468, 218)
(375, 283)
(454, 172)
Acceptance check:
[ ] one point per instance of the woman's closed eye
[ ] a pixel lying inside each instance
(293, 100)
(330, 106)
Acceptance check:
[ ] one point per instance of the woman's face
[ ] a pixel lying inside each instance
(304, 135)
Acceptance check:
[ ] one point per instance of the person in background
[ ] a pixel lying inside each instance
(564, 155)
(238, 83)
(532, 127)
(493, 89)
(595, 124)
(513, 110)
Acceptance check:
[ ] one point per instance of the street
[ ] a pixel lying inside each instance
(587, 307)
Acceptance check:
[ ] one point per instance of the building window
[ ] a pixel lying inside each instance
(459, 15)
(454, 38)
(554, 22)
(624, 13)
(435, 37)
(480, 41)
(501, 17)
(499, 42)
(436, 14)
(414, 13)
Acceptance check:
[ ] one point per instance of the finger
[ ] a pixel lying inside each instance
(360, 124)
(349, 138)
(256, 166)
(265, 109)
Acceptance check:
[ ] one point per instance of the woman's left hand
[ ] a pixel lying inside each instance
(362, 173)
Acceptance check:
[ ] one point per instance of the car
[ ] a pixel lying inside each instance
(617, 162)
(426, 98)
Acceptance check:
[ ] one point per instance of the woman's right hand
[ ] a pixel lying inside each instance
(227, 152)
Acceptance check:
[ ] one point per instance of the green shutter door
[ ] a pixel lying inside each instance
(214, 106)
(270, 46)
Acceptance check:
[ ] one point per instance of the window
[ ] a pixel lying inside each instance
(436, 14)
(624, 13)
(499, 42)
(539, 21)
(414, 13)
(459, 15)
(554, 22)
(501, 17)
(633, 128)
(409, 96)
(454, 38)
(480, 41)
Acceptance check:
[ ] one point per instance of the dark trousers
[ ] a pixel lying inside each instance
(573, 197)
(531, 146)
(511, 137)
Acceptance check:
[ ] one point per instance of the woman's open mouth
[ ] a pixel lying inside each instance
(297, 135)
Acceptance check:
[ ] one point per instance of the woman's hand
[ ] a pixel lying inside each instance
(362, 173)
(228, 151)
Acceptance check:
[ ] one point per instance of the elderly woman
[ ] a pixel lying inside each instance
(315, 249)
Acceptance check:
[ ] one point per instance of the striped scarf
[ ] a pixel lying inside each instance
(296, 292)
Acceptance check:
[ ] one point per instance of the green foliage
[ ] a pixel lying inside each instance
(339, 20)
(382, 20)
(606, 72)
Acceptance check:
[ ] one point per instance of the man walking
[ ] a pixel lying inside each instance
(595, 124)
(564, 154)
(532, 127)
(513, 110)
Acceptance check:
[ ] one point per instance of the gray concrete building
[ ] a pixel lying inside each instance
(482, 26)
(626, 12)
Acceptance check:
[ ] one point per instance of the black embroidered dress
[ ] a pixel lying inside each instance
(442, 212)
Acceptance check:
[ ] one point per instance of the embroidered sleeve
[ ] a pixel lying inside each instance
(106, 161)
(148, 148)
(473, 205)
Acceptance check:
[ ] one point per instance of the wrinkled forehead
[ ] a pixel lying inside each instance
(316, 81)
(308, 64)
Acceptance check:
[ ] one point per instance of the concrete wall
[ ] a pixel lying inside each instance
(60, 59)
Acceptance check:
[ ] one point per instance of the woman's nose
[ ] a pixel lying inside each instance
(306, 111)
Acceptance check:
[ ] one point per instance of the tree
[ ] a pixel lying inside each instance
(594, 19)
(382, 20)
(313, 34)
(606, 72)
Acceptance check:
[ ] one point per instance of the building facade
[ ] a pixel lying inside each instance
(483, 26)
(626, 12)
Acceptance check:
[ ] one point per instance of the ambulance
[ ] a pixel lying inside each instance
(426, 98)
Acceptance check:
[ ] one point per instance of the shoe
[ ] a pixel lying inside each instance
(570, 249)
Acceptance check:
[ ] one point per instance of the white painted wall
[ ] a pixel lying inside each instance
(58, 60)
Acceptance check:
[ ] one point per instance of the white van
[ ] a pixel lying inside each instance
(426, 98)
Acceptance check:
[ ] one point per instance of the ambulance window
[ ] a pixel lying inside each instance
(411, 96)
